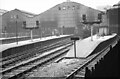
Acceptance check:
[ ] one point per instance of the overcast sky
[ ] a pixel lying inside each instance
(38, 6)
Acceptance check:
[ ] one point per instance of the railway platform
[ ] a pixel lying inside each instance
(25, 42)
(85, 47)
(11, 38)
(8, 40)
(68, 66)
(14, 48)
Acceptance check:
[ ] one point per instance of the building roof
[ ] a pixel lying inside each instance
(28, 14)
(118, 4)
(2, 11)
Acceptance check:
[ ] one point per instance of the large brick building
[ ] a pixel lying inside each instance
(113, 18)
(64, 18)
(1, 13)
(13, 20)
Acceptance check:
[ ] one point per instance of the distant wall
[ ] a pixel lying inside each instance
(114, 25)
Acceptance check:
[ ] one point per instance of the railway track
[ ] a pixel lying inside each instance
(96, 57)
(26, 52)
(26, 66)
(23, 53)
(29, 54)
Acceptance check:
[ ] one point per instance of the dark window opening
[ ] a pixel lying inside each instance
(78, 7)
(37, 23)
(59, 8)
(84, 17)
(24, 24)
(64, 8)
(73, 7)
(68, 7)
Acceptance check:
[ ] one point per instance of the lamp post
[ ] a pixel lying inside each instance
(4, 31)
(91, 33)
(31, 34)
(63, 30)
(16, 28)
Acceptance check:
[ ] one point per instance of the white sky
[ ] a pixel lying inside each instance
(38, 6)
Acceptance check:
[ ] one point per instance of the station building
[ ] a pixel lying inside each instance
(12, 22)
(64, 18)
(113, 18)
(1, 13)
(67, 18)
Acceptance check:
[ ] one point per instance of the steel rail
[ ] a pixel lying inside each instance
(104, 51)
(44, 58)
(40, 50)
(12, 56)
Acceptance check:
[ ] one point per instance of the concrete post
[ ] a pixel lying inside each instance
(91, 33)
(75, 48)
(16, 33)
(31, 34)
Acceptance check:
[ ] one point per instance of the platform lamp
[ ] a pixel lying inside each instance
(31, 28)
(16, 27)
(99, 18)
(84, 18)
(91, 23)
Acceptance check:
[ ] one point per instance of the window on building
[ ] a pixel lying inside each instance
(78, 7)
(84, 17)
(73, 8)
(59, 8)
(14, 17)
(68, 7)
(24, 24)
(37, 23)
(64, 8)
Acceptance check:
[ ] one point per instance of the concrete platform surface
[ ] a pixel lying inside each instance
(86, 46)
(67, 66)
(21, 43)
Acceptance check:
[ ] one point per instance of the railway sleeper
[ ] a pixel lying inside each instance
(33, 67)
(95, 59)
(41, 57)
(22, 58)
(13, 76)
(12, 56)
